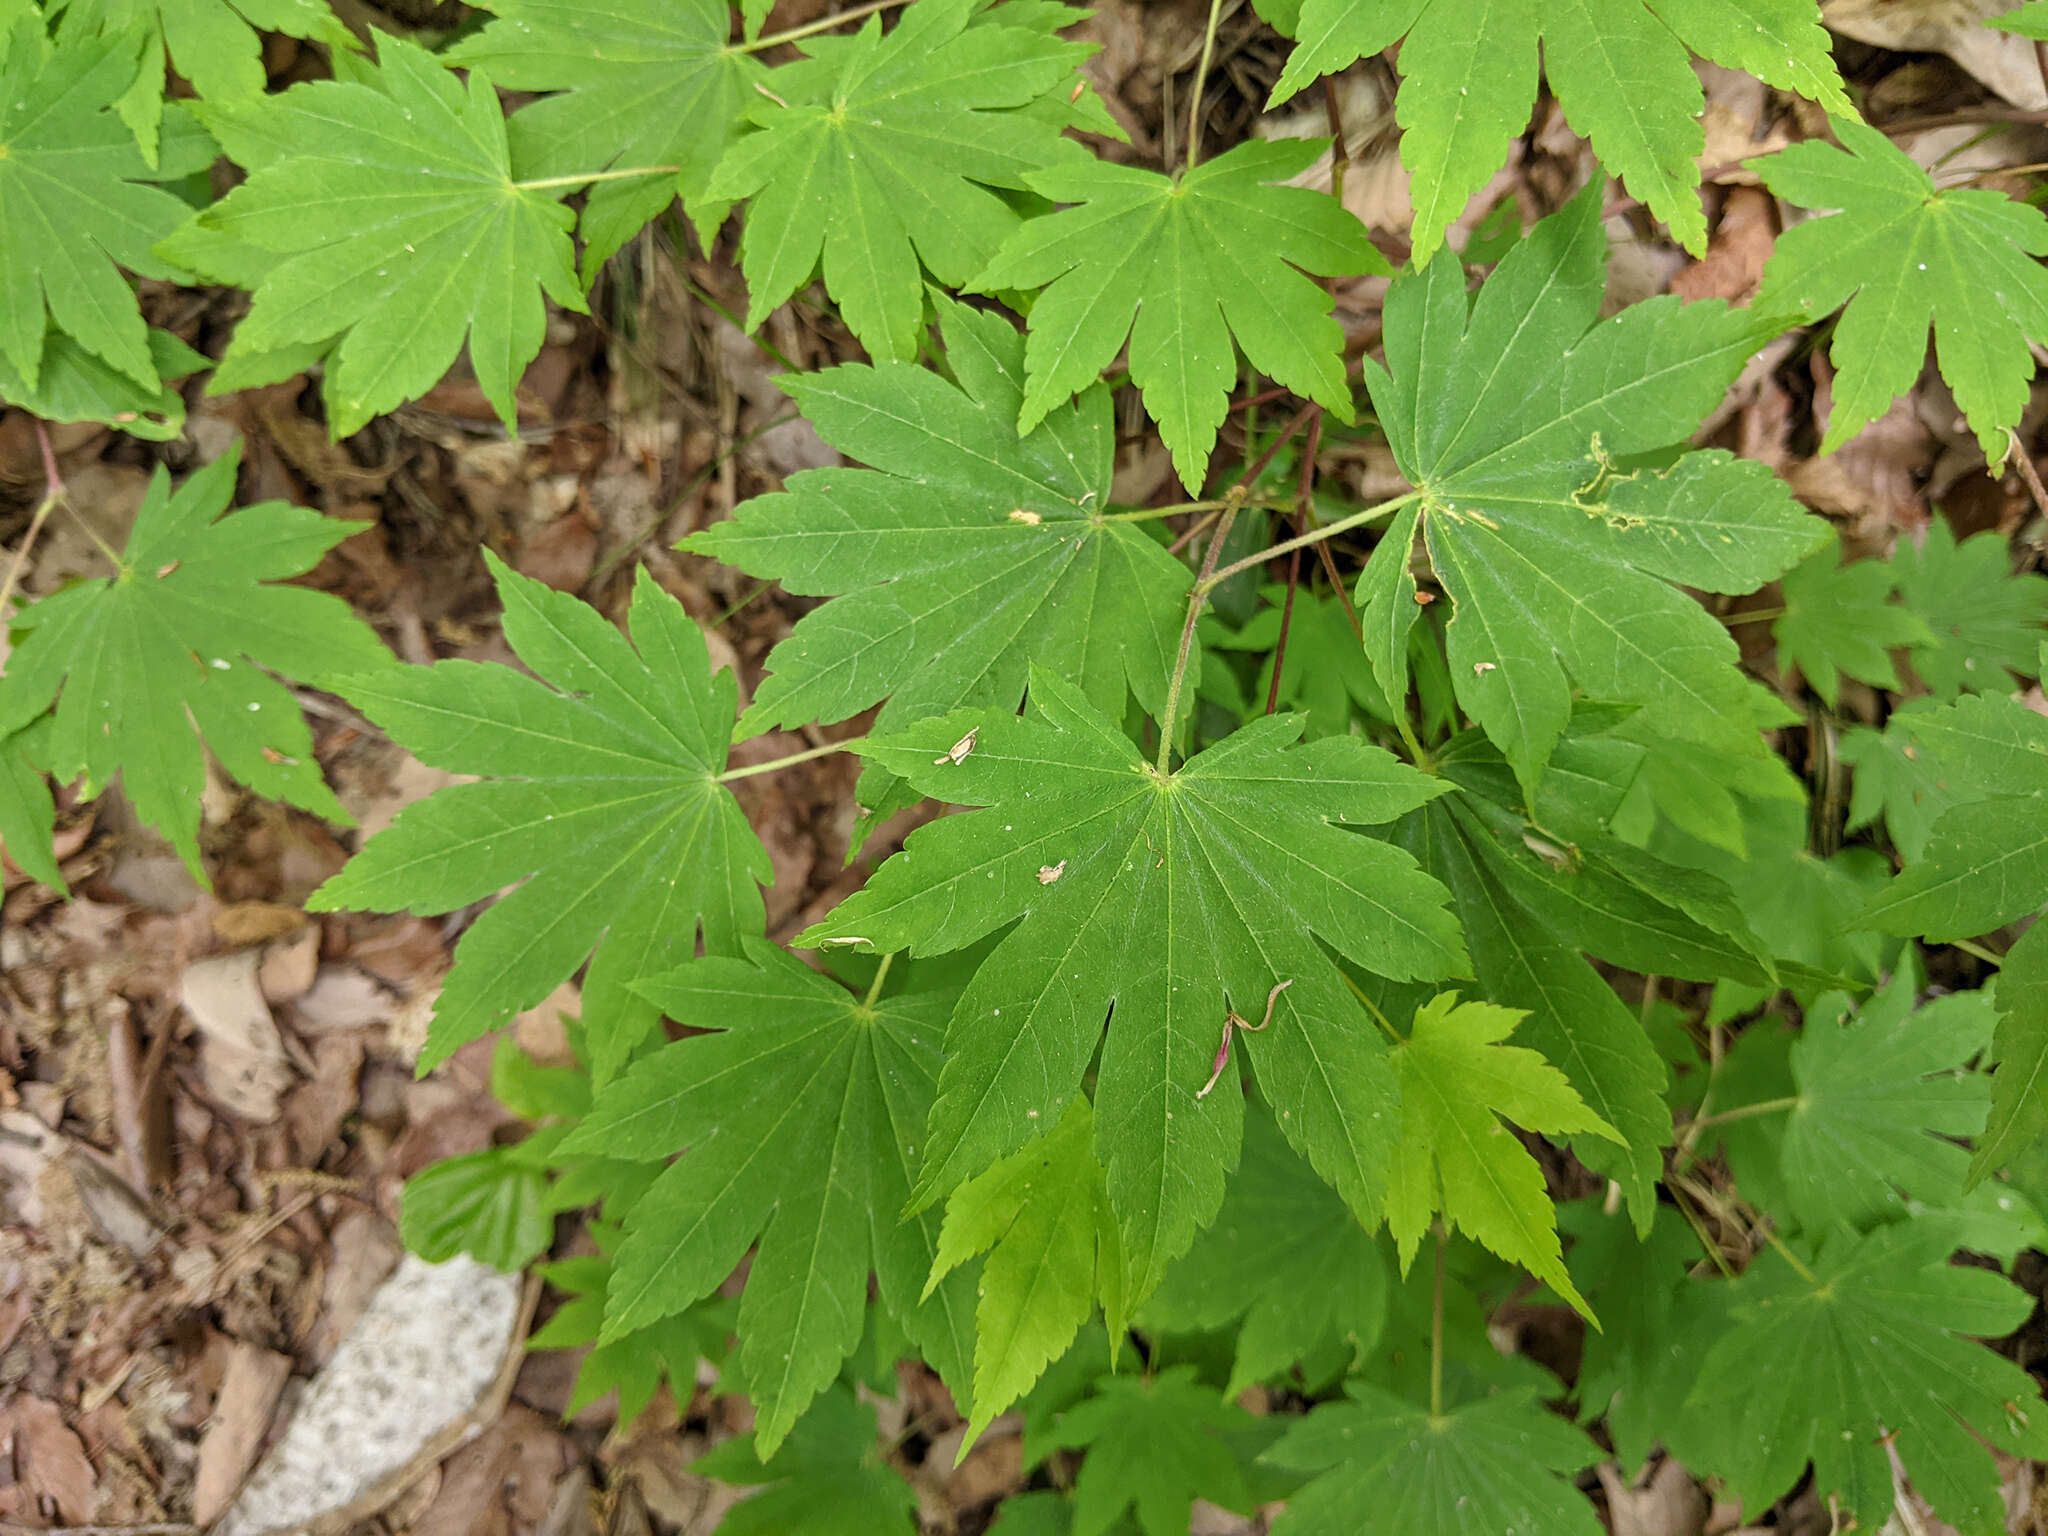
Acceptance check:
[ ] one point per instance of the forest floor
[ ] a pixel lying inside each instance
(207, 1102)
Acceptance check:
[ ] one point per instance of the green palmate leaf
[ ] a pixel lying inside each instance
(1287, 1261)
(1901, 254)
(1177, 898)
(1986, 622)
(75, 207)
(2029, 20)
(440, 247)
(211, 43)
(1932, 759)
(491, 1205)
(1180, 265)
(1869, 1358)
(1561, 566)
(800, 1116)
(180, 638)
(1324, 673)
(1986, 863)
(827, 1479)
(28, 814)
(1837, 620)
(1043, 1216)
(883, 152)
(1153, 1448)
(73, 385)
(1619, 68)
(637, 83)
(2019, 1088)
(600, 791)
(1500, 1464)
(1456, 1157)
(965, 551)
(1387, 608)
(633, 1366)
(1878, 1096)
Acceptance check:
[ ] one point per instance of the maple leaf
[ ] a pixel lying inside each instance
(1180, 265)
(1455, 1156)
(1619, 67)
(1985, 621)
(73, 385)
(1043, 1216)
(881, 158)
(178, 646)
(1837, 620)
(439, 246)
(601, 791)
(2019, 1088)
(212, 43)
(827, 1479)
(1286, 1260)
(796, 1121)
(77, 206)
(964, 553)
(1154, 1447)
(633, 1366)
(1901, 254)
(1161, 895)
(492, 1205)
(635, 83)
(1514, 422)
(28, 814)
(1872, 1356)
(1502, 1463)
(1324, 672)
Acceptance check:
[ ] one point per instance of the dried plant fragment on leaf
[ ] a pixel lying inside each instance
(185, 635)
(600, 792)
(1185, 897)
(796, 1123)
(1896, 256)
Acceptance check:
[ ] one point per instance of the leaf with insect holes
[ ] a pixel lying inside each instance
(76, 205)
(1178, 899)
(1042, 1215)
(1896, 255)
(634, 83)
(827, 1479)
(1517, 418)
(1872, 1356)
(1455, 1156)
(883, 156)
(172, 656)
(1179, 266)
(1985, 621)
(600, 792)
(1503, 1463)
(1153, 1447)
(796, 1120)
(1837, 620)
(1621, 70)
(964, 553)
(440, 248)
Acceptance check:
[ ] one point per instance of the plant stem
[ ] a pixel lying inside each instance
(53, 492)
(1436, 1329)
(1196, 596)
(542, 184)
(1798, 1268)
(1152, 514)
(1971, 947)
(1753, 616)
(1201, 77)
(812, 28)
(1744, 1111)
(789, 762)
(881, 975)
(1214, 579)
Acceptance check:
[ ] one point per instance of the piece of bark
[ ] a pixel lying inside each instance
(249, 1390)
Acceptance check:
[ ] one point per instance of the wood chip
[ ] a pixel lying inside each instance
(249, 1391)
(240, 1053)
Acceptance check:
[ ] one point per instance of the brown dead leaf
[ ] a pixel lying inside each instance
(240, 924)
(240, 1053)
(249, 1390)
(1999, 60)
(288, 968)
(502, 1481)
(1742, 242)
(366, 1250)
(343, 997)
(53, 1481)
(1668, 1502)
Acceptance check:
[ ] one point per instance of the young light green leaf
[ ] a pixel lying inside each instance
(1179, 266)
(175, 651)
(1837, 619)
(797, 1122)
(1287, 1260)
(75, 206)
(1986, 622)
(1901, 254)
(1455, 1156)
(1619, 68)
(441, 247)
(636, 83)
(883, 156)
(1153, 1447)
(964, 553)
(2019, 1088)
(490, 1205)
(1042, 1215)
(1503, 1463)
(1563, 567)
(600, 791)
(827, 1479)
(1871, 1356)
(1158, 894)
(2029, 20)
